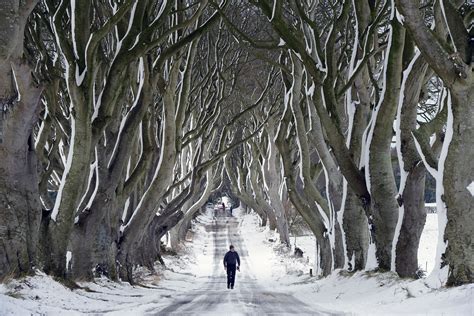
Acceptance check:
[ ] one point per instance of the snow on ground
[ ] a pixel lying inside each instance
(270, 261)
(427, 249)
(41, 295)
(361, 293)
(275, 267)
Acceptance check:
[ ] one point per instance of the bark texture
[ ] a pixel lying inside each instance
(20, 210)
(458, 176)
(455, 69)
(382, 180)
(412, 198)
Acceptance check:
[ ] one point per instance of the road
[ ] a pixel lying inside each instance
(247, 298)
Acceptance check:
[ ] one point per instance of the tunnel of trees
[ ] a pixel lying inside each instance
(120, 118)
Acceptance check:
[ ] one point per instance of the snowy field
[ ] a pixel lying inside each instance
(363, 293)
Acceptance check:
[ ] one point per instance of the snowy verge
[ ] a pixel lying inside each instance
(360, 293)
(42, 295)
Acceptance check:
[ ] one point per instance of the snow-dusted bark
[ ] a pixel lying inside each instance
(255, 179)
(458, 177)
(358, 102)
(320, 65)
(99, 69)
(333, 188)
(455, 169)
(412, 213)
(302, 205)
(100, 216)
(379, 170)
(134, 230)
(78, 59)
(273, 183)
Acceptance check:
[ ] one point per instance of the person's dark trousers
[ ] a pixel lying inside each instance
(231, 275)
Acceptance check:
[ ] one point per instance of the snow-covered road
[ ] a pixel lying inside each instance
(249, 297)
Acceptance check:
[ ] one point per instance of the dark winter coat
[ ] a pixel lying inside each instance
(231, 258)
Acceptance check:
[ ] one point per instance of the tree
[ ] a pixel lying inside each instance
(146, 108)
(451, 58)
(19, 99)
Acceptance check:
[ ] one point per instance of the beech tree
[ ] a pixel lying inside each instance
(96, 88)
(323, 47)
(451, 57)
(19, 99)
(120, 119)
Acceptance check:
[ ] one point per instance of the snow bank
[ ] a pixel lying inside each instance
(41, 295)
(365, 293)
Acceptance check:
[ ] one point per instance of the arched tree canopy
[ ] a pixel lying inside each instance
(120, 119)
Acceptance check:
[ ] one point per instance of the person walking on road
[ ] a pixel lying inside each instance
(231, 264)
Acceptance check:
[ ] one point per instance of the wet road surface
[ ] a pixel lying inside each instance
(247, 298)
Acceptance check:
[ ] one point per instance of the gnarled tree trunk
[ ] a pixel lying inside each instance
(20, 209)
(458, 182)
(379, 171)
(455, 166)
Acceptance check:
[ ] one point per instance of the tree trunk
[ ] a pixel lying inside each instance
(272, 223)
(82, 243)
(325, 255)
(383, 188)
(458, 182)
(20, 210)
(273, 181)
(339, 256)
(146, 250)
(93, 251)
(412, 170)
(252, 204)
(455, 166)
(178, 232)
(94, 239)
(242, 195)
(175, 237)
(104, 252)
(256, 187)
(355, 216)
(414, 219)
(73, 182)
(145, 211)
(356, 230)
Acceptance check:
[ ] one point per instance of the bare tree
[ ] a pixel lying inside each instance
(451, 58)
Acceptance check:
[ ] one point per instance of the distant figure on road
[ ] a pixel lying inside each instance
(231, 263)
(230, 210)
